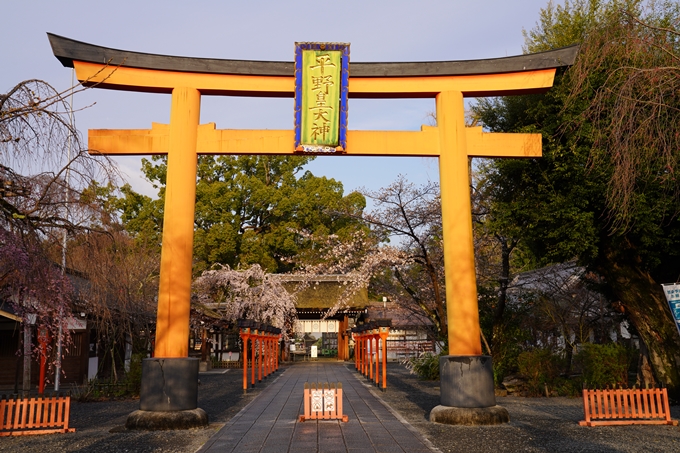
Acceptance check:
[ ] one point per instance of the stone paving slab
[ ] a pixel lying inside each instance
(269, 424)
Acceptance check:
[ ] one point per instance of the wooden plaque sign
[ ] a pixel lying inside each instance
(321, 86)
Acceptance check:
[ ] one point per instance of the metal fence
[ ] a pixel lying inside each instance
(399, 349)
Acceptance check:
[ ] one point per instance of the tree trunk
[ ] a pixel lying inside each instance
(501, 301)
(646, 306)
(204, 345)
(645, 375)
(26, 387)
(114, 373)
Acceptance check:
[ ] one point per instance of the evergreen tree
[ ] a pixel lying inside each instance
(604, 191)
(249, 210)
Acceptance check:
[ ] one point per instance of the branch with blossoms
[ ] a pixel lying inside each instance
(231, 294)
(44, 165)
(34, 287)
(358, 258)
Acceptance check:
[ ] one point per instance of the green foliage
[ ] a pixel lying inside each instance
(552, 203)
(425, 366)
(248, 209)
(508, 339)
(563, 386)
(600, 365)
(103, 389)
(604, 365)
(561, 25)
(141, 215)
(560, 201)
(541, 367)
(605, 191)
(134, 376)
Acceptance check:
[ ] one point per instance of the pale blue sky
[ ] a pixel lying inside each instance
(379, 31)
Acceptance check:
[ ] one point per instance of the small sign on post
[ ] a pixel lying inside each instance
(672, 292)
(323, 401)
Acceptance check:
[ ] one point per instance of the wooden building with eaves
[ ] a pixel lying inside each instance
(317, 298)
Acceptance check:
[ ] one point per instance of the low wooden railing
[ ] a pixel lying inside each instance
(34, 415)
(227, 364)
(626, 407)
(323, 401)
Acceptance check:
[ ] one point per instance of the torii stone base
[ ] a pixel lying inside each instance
(473, 416)
(160, 421)
(169, 396)
(467, 392)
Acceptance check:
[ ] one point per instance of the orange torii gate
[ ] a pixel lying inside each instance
(187, 79)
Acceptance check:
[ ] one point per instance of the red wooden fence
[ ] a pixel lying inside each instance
(626, 407)
(35, 415)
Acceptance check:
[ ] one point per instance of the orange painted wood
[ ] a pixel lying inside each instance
(384, 361)
(338, 404)
(323, 401)
(370, 358)
(27, 416)
(244, 357)
(619, 403)
(328, 409)
(163, 81)
(307, 402)
(645, 405)
(377, 360)
(253, 338)
(626, 407)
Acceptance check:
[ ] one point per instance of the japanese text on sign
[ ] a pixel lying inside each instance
(320, 97)
(672, 292)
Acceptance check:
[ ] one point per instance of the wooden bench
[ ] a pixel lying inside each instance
(323, 401)
(35, 415)
(626, 407)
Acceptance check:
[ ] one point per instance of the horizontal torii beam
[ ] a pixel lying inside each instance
(424, 143)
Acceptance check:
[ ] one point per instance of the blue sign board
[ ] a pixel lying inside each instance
(321, 91)
(672, 292)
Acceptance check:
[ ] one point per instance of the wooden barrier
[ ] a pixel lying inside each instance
(36, 415)
(370, 347)
(323, 401)
(264, 341)
(626, 407)
(222, 364)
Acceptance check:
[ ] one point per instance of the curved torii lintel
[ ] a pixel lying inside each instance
(137, 71)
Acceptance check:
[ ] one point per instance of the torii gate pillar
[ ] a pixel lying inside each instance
(467, 392)
(172, 324)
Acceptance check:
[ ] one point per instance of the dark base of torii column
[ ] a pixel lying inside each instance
(467, 392)
(168, 398)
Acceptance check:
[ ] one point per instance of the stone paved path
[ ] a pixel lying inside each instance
(270, 423)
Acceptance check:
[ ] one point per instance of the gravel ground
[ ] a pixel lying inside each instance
(100, 426)
(537, 424)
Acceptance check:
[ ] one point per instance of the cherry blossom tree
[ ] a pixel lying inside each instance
(44, 170)
(411, 216)
(231, 294)
(359, 257)
(35, 288)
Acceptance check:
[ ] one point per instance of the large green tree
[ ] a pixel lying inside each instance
(249, 209)
(605, 190)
